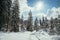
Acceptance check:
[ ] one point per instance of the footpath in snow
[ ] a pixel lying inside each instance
(40, 35)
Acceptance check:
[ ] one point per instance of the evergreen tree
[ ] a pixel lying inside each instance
(51, 23)
(29, 25)
(5, 12)
(58, 25)
(46, 22)
(15, 17)
(1, 14)
(36, 24)
(43, 21)
(9, 17)
(22, 23)
(40, 22)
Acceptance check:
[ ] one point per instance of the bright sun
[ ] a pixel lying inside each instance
(40, 5)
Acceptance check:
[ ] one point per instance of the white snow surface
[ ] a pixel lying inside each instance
(40, 35)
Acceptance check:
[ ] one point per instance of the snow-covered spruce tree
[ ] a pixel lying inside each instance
(29, 25)
(58, 25)
(22, 24)
(52, 26)
(15, 17)
(40, 22)
(4, 13)
(51, 21)
(43, 21)
(36, 25)
(46, 22)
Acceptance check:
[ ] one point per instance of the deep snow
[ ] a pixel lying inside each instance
(40, 35)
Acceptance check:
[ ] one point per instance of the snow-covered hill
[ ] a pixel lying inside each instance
(40, 35)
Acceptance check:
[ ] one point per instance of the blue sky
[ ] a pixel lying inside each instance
(40, 8)
(50, 3)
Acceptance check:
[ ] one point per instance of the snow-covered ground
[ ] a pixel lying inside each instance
(40, 35)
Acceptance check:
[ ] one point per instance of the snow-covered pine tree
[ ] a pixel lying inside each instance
(15, 17)
(36, 24)
(22, 24)
(43, 21)
(46, 22)
(40, 22)
(29, 25)
(51, 21)
(58, 25)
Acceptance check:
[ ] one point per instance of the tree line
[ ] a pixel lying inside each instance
(53, 25)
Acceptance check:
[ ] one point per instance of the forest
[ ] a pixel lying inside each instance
(10, 20)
